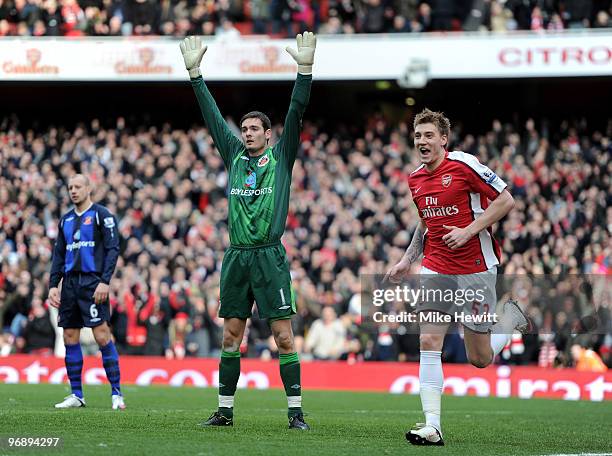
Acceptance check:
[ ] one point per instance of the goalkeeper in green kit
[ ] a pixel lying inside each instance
(255, 267)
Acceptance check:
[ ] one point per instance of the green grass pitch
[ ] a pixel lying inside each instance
(164, 420)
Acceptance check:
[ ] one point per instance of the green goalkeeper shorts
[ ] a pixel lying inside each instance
(260, 274)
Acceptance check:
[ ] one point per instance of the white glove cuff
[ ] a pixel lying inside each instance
(194, 72)
(305, 69)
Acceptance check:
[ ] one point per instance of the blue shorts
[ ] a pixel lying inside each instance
(77, 307)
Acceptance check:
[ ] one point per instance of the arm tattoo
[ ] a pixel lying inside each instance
(415, 249)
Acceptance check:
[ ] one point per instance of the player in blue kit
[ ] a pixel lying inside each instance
(84, 259)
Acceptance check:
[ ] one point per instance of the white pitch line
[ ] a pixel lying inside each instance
(579, 454)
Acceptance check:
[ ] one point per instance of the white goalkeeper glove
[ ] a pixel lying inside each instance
(304, 56)
(193, 51)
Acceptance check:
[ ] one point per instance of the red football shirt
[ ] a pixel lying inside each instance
(456, 193)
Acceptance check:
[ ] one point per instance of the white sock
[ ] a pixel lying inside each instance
(498, 342)
(226, 401)
(294, 401)
(501, 333)
(431, 379)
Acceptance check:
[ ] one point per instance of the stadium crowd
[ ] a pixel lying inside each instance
(286, 17)
(351, 214)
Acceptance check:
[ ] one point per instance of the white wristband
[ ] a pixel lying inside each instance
(305, 69)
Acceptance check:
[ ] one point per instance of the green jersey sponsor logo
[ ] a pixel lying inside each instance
(251, 192)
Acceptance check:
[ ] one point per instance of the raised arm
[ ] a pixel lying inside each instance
(288, 144)
(226, 142)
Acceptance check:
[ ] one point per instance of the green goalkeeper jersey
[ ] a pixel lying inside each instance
(259, 186)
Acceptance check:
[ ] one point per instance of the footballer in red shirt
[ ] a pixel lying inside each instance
(458, 200)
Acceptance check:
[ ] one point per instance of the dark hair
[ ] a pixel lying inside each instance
(265, 121)
(437, 118)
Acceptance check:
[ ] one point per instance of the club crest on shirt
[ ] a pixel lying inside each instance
(251, 180)
(446, 180)
(263, 161)
(87, 220)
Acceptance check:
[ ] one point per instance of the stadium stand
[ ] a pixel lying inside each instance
(350, 214)
(281, 18)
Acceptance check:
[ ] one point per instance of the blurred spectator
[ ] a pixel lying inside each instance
(586, 360)
(326, 337)
(453, 350)
(198, 341)
(260, 13)
(578, 13)
(442, 14)
(53, 18)
(374, 20)
(227, 31)
(602, 20)
(424, 17)
(17, 305)
(38, 335)
(155, 316)
(537, 20)
(400, 25)
(555, 23)
(303, 15)
(281, 18)
(73, 17)
(332, 27)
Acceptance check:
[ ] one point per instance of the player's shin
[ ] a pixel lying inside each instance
(431, 379)
(229, 372)
(290, 374)
(512, 319)
(110, 361)
(74, 368)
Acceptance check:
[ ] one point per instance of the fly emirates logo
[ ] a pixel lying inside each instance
(433, 210)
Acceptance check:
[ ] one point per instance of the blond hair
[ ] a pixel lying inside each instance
(437, 118)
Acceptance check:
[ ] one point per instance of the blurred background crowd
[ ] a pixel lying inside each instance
(281, 18)
(350, 214)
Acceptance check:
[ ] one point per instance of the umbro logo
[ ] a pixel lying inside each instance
(221, 385)
(296, 386)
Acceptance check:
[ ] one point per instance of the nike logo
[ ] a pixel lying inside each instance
(283, 307)
(416, 191)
